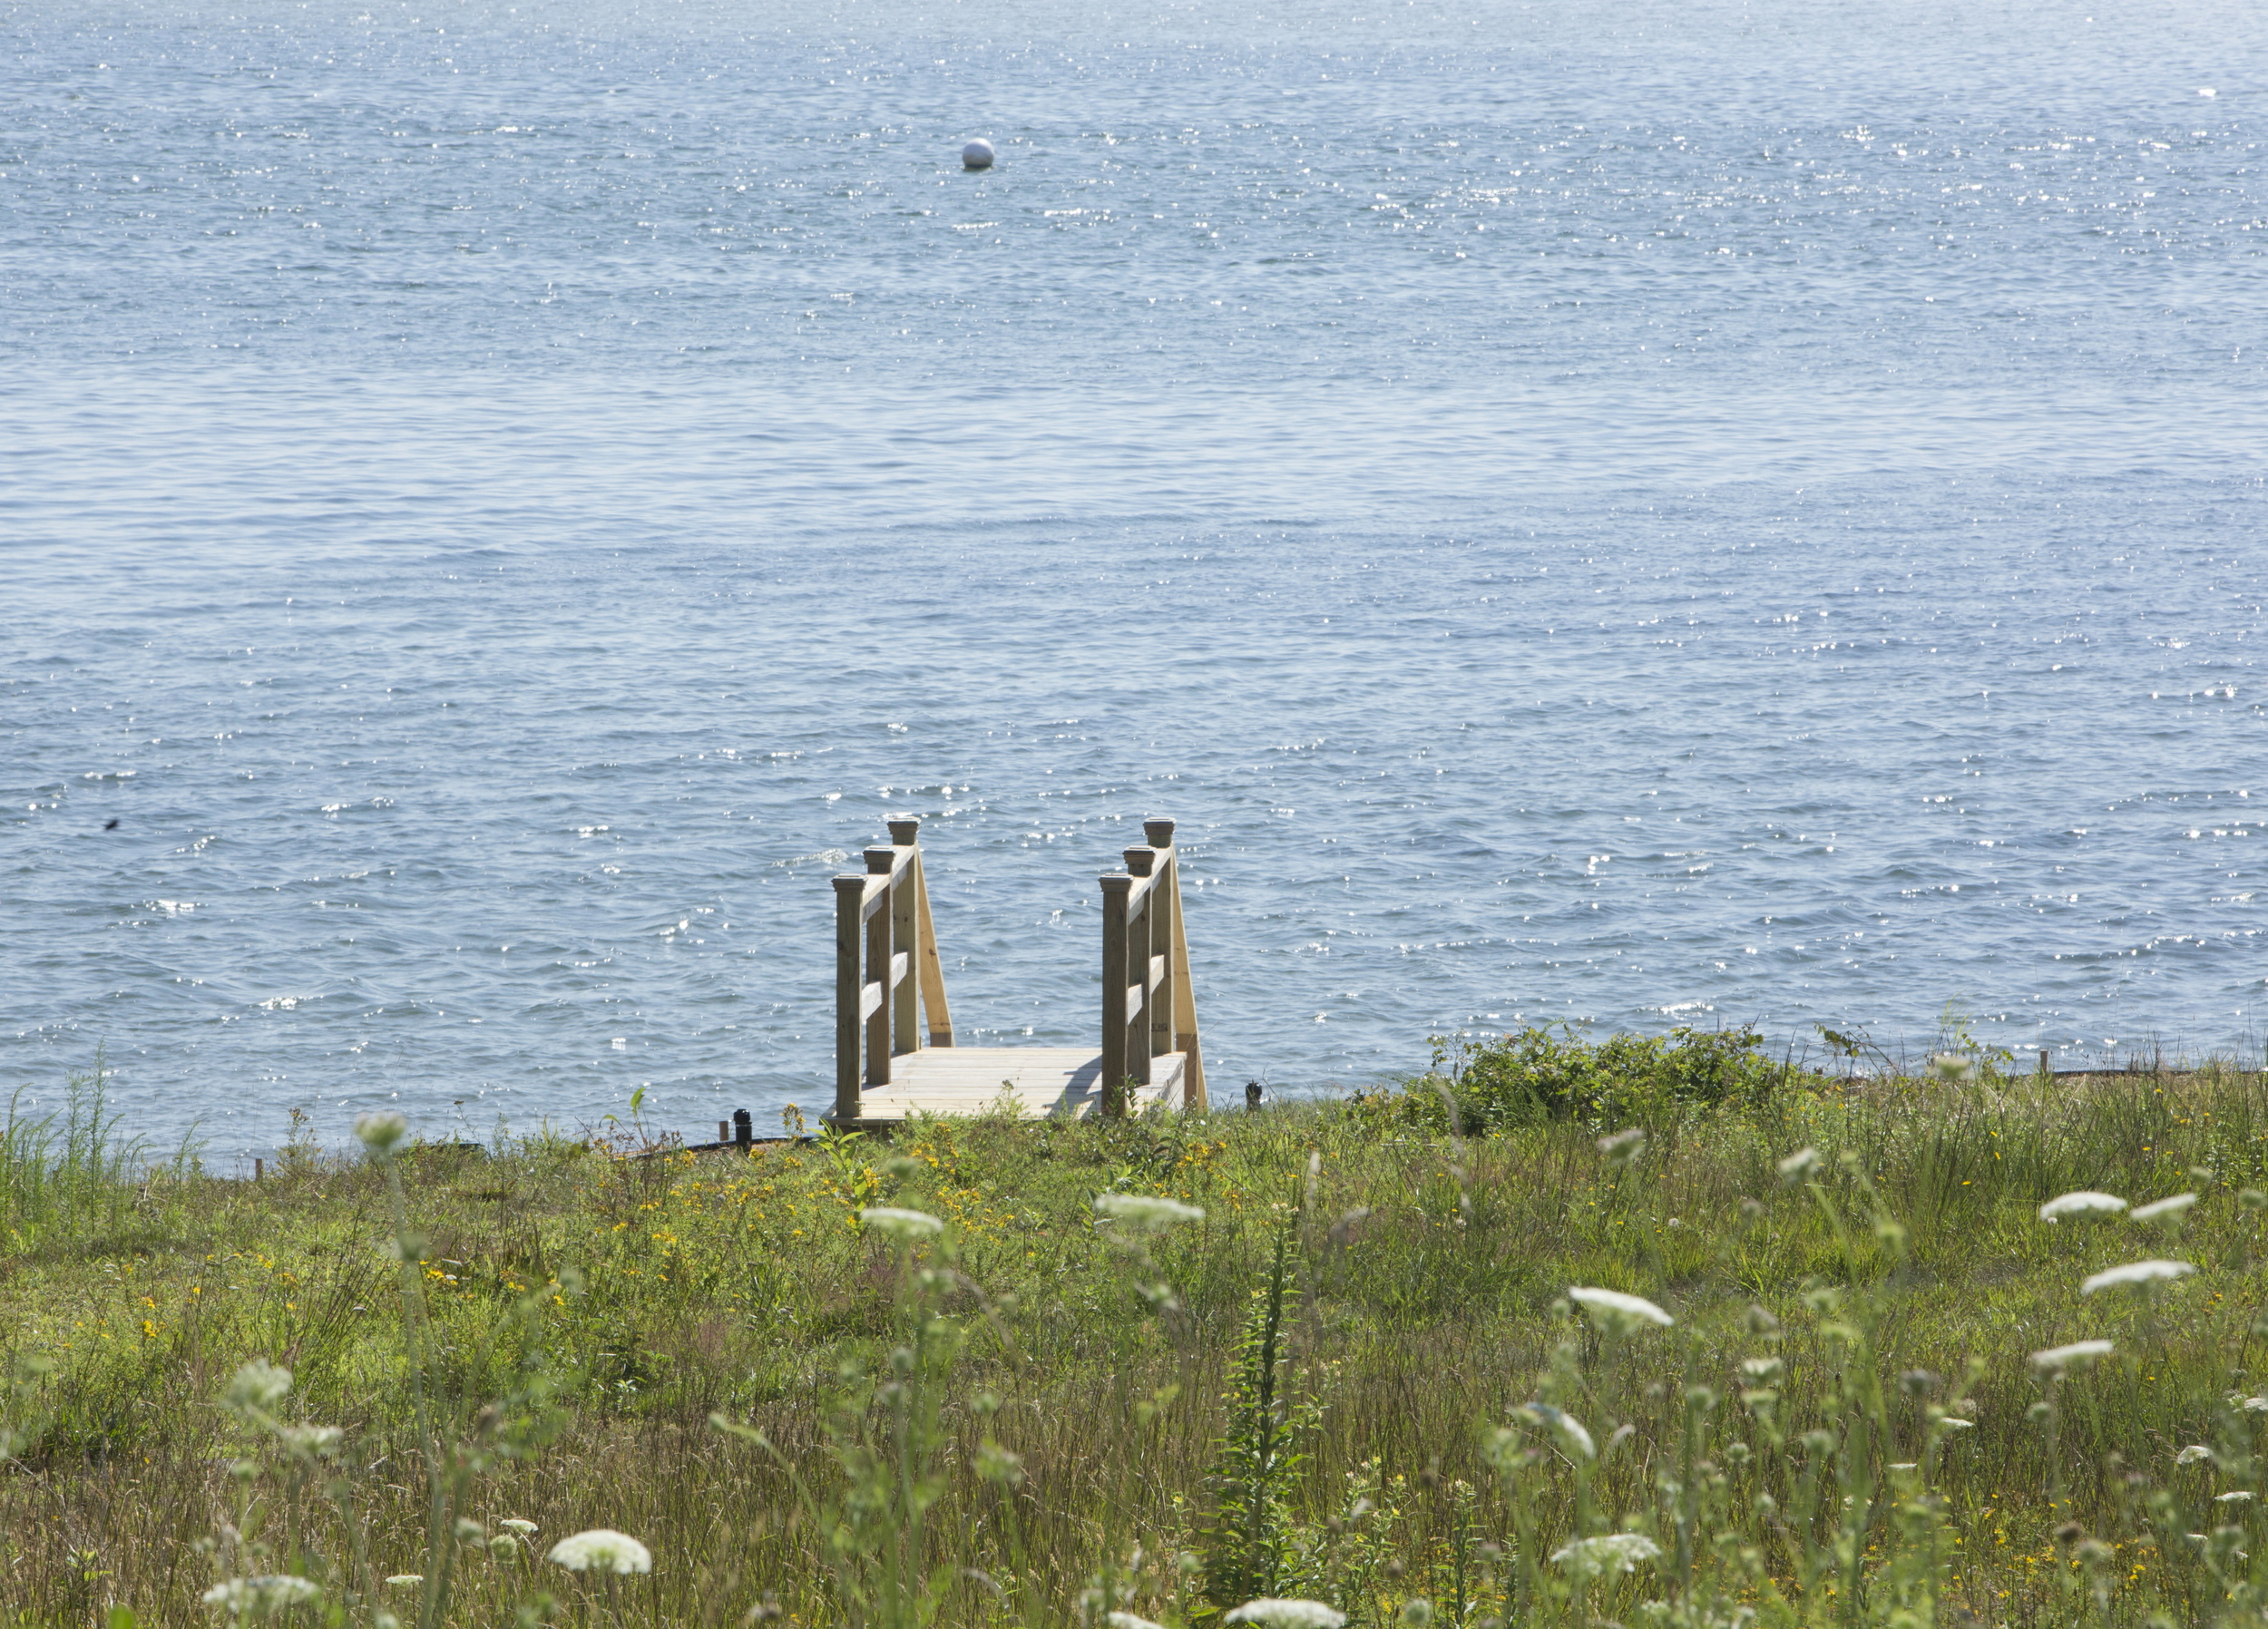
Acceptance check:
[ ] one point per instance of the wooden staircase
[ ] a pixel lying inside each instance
(894, 1056)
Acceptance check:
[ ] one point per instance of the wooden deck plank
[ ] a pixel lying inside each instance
(1039, 1081)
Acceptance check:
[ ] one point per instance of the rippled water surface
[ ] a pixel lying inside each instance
(1634, 514)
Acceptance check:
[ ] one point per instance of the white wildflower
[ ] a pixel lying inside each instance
(1569, 1428)
(1127, 1620)
(1288, 1614)
(380, 1132)
(908, 1225)
(1624, 1147)
(2085, 1202)
(2256, 1405)
(1952, 1065)
(2239, 1497)
(1799, 1165)
(1148, 1212)
(603, 1550)
(257, 1597)
(311, 1439)
(2169, 1208)
(2136, 1273)
(2192, 1453)
(2078, 1354)
(1952, 1424)
(259, 1384)
(1762, 1371)
(517, 1524)
(1608, 1553)
(404, 1580)
(1616, 1313)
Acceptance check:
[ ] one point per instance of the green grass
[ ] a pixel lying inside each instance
(1072, 1400)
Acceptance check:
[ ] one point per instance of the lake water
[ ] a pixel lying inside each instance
(1631, 514)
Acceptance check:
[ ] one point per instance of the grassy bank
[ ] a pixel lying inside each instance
(1039, 1414)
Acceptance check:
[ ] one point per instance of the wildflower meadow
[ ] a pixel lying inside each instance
(1561, 1333)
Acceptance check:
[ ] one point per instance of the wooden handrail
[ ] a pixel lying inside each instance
(1149, 1007)
(888, 977)
(887, 971)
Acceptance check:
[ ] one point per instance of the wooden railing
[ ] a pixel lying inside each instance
(885, 950)
(1148, 1005)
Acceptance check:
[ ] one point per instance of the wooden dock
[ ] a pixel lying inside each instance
(894, 1055)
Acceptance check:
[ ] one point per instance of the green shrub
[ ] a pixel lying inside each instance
(1539, 1074)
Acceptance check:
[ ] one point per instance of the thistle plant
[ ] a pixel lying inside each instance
(1261, 1452)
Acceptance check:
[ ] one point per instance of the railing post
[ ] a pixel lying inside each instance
(1159, 836)
(878, 863)
(848, 893)
(933, 971)
(904, 937)
(1141, 943)
(1164, 909)
(929, 972)
(1115, 888)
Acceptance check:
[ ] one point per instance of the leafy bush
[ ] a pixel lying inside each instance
(1542, 1074)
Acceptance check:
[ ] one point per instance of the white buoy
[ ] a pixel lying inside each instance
(977, 155)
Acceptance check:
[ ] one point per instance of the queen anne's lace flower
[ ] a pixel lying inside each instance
(380, 1132)
(1624, 1147)
(2136, 1273)
(901, 1224)
(2192, 1453)
(1616, 1313)
(1148, 1211)
(2085, 1202)
(1127, 1620)
(1607, 1553)
(2171, 1205)
(603, 1550)
(1571, 1429)
(259, 1384)
(1288, 1614)
(2079, 1353)
(322, 1440)
(257, 1597)
(517, 1524)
